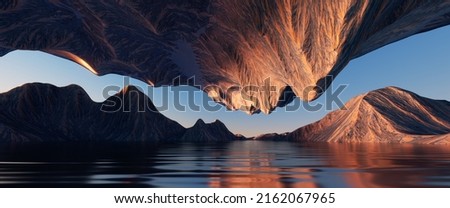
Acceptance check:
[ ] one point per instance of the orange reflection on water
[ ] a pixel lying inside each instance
(354, 165)
(385, 165)
(255, 169)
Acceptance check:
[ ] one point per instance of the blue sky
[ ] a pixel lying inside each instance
(420, 64)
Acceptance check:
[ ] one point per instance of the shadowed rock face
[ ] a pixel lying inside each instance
(386, 115)
(45, 113)
(41, 112)
(225, 43)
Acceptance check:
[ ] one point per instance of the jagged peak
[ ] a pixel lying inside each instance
(200, 122)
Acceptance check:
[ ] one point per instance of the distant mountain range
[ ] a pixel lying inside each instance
(390, 115)
(45, 113)
(42, 112)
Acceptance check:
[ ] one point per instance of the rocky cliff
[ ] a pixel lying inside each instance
(228, 44)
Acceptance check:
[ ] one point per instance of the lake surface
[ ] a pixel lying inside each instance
(234, 164)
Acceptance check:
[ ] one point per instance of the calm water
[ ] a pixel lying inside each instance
(235, 164)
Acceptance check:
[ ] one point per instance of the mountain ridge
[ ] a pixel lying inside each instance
(44, 113)
(39, 112)
(391, 115)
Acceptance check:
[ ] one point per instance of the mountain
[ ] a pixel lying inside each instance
(280, 47)
(213, 132)
(45, 113)
(389, 115)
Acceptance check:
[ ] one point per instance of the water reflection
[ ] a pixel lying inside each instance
(384, 165)
(255, 165)
(237, 164)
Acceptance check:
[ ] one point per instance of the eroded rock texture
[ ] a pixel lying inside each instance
(224, 43)
(389, 115)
